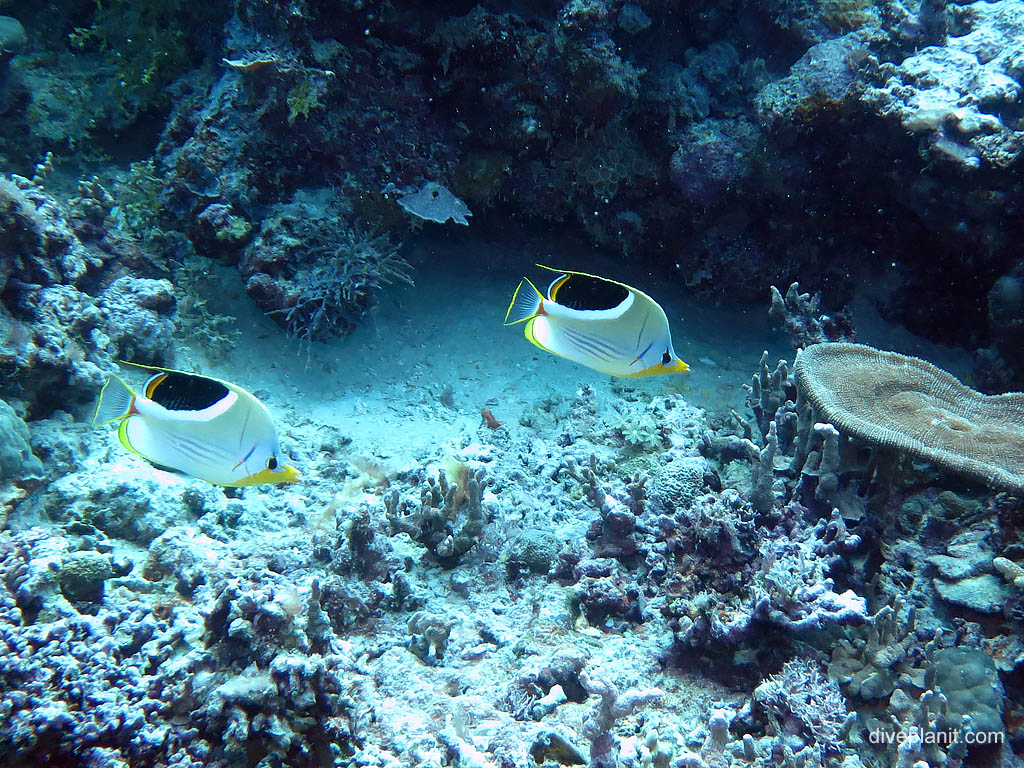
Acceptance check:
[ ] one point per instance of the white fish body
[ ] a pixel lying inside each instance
(230, 441)
(630, 338)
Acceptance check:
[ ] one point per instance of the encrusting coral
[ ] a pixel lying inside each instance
(68, 312)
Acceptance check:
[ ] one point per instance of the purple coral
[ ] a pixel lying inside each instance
(712, 158)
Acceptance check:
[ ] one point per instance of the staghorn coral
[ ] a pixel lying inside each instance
(768, 391)
(913, 701)
(797, 594)
(93, 203)
(762, 486)
(725, 585)
(870, 663)
(803, 458)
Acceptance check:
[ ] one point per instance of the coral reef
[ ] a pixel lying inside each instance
(562, 594)
(607, 575)
(954, 93)
(635, 124)
(315, 276)
(69, 309)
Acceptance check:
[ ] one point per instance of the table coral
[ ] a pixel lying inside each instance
(906, 404)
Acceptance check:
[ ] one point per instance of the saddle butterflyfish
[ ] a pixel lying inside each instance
(600, 323)
(196, 425)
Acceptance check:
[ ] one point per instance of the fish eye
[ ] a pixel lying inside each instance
(666, 358)
(272, 463)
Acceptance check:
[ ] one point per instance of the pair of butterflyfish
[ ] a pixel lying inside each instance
(602, 324)
(198, 426)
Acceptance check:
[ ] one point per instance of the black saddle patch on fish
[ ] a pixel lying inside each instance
(177, 391)
(585, 292)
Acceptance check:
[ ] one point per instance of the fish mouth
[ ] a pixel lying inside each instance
(283, 474)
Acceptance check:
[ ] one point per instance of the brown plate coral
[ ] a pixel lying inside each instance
(906, 403)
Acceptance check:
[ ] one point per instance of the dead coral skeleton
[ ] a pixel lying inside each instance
(435, 520)
(614, 705)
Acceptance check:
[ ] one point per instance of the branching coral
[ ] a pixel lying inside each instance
(448, 517)
(614, 705)
(803, 699)
(339, 289)
(800, 314)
